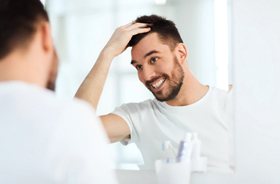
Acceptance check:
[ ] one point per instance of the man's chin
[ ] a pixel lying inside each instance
(161, 98)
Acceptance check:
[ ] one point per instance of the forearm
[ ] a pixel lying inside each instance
(91, 88)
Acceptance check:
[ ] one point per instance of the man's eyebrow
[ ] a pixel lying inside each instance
(150, 53)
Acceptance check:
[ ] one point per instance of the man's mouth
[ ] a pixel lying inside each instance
(156, 84)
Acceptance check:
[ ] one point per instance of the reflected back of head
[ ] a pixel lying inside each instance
(18, 19)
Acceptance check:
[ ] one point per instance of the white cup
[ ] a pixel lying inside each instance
(173, 173)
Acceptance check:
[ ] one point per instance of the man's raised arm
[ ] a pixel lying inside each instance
(91, 88)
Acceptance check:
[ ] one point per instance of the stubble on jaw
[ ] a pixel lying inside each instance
(177, 83)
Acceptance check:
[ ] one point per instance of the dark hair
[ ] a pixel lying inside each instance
(165, 29)
(18, 20)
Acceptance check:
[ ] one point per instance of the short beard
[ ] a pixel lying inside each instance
(175, 88)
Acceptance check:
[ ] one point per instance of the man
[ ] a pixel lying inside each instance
(42, 139)
(182, 103)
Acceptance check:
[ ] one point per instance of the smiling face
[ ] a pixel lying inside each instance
(158, 67)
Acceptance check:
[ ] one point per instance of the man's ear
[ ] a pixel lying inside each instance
(181, 52)
(47, 43)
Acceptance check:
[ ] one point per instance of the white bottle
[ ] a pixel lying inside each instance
(185, 148)
(199, 164)
(168, 152)
(196, 149)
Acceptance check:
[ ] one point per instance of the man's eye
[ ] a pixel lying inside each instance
(153, 60)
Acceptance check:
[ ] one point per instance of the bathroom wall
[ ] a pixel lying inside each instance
(256, 65)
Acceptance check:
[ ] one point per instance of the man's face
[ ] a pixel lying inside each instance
(158, 68)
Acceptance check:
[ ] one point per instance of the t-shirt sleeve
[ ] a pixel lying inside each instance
(80, 150)
(129, 113)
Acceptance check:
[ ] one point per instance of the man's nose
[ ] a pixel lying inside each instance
(148, 73)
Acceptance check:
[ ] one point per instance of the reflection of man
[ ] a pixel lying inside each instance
(182, 103)
(42, 139)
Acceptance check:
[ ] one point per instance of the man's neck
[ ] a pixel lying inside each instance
(12, 68)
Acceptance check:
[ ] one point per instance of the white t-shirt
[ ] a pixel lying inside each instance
(45, 140)
(152, 122)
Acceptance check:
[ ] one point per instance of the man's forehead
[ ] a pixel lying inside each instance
(148, 40)
(142, 49)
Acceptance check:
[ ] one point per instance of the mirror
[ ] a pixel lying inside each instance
(82, 27)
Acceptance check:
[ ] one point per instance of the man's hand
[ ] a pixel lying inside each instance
(122, 35)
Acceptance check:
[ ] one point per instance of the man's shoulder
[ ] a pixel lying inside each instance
(31, 98)
(50, 99)
(70, 108)
(219, 94)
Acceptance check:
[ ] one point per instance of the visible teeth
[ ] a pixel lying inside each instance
(157, 83)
